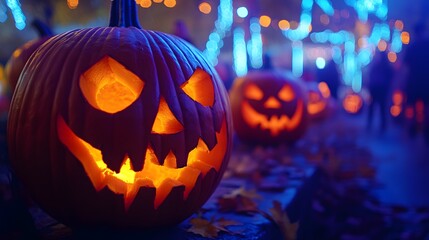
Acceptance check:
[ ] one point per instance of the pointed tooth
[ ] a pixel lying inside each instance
(188, 177)
(164, 189)
(133, 189)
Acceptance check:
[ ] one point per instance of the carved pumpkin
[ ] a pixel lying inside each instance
(19, 57)
(120, 126)
(268, 108)
(319, 100)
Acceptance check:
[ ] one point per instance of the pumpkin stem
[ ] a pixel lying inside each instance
(42, 28)
(123, 13)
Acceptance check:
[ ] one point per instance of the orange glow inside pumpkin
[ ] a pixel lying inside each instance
(165, 122)
(109, 86)
(352, 103)
(315, 104)
(253, 92)
(286, 93)
(200, 88)
(274, 124)
(162, 177)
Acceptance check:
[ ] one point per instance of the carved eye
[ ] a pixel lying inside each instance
(165, 121)
(253, 92)
(200, 88)
(286, 93)
(109, 86)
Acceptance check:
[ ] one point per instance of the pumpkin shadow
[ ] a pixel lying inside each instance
(173, 232)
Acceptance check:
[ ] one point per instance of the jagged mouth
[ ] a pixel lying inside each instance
(275, 124)
(153, 175)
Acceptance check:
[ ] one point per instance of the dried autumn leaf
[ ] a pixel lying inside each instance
(211, 228)
(239, 200)
(252, 194)
(279, 216)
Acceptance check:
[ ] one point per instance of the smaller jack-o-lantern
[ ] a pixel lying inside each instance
(19, 57)
(268, 107)
(353, 103)
(319, 100)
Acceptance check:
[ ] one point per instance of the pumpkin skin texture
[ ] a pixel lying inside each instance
(19, 57)
(268, 108)
(73, 149)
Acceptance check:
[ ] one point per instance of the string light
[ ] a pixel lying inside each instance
(18, 15)
(205, 7)
(72, 3)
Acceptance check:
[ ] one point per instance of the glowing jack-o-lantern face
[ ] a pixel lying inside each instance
(268, 108)
(131, 136)
(111, 88)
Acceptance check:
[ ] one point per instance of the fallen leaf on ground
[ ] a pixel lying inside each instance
(211, 228)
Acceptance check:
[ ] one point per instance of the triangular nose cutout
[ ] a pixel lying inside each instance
(272, 103)
(165, 121)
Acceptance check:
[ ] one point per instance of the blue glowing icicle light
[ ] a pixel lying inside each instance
(222, 26)
(239, 52)
(297, 59)
(255, 44)
(18, 15)
(365, 7)
(3, 13)
(396, 45)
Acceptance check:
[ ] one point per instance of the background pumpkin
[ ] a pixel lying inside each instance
(269, 107)
(119, 126)
(20, 56)
(320, 103)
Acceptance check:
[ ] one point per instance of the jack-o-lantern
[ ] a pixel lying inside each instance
(268, 107)
(19, 57)
(119, 126)
(319, 100)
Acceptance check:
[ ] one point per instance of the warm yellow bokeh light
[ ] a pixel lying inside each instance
(397, 98)
(157, 1)
(144, 3)
(205, 7)
(324, 19)
(399, 25)
(170, 3)
(284, 24)
(265, 21)
(294, 24)
(72, 3)
(324, 89)
(392, 57)
(382, 46)
(405, 37)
